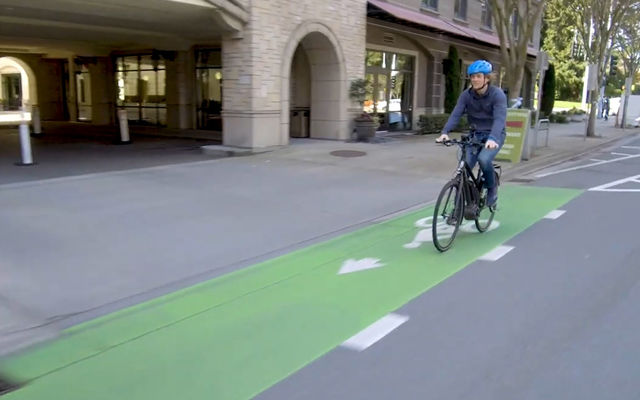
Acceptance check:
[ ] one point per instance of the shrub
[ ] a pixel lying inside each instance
(433, 123)
(560, 118)
(451, 70)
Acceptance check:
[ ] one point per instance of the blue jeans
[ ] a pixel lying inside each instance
(484, 157)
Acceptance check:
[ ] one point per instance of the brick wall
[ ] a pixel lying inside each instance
(253, 64)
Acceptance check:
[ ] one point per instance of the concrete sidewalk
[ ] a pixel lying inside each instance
(154, 217)
(419, 155)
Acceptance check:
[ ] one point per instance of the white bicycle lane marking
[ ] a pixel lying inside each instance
(610, 187)
(622, 157)
(426, 235)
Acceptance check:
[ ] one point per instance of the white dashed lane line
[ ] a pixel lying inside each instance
(555, 214)
(375, 332)
(496, 254)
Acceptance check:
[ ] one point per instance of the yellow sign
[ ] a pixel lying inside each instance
(518, 122)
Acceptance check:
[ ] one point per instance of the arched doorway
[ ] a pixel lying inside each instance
(314, 86)
(18, 85)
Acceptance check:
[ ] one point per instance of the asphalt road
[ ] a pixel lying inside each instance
(556, 317)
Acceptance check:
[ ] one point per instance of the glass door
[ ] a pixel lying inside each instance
(83, 94)
(209, 89)
(11, 92)
(141, 85)
(390, 76)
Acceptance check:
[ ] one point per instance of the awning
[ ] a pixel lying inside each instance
(440, 25)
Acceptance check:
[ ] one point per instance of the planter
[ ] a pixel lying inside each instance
(577, 117)
(365, 129)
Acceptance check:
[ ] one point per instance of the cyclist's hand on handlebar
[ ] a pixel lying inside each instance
(443, 138)
(491, 144)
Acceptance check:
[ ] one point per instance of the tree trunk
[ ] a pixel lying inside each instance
(591, 132)
(514, 85)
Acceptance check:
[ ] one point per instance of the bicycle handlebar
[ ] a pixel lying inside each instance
(465, 141)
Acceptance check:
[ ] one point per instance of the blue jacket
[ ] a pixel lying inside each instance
(486, 113)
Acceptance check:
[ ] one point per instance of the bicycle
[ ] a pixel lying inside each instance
(469, 198)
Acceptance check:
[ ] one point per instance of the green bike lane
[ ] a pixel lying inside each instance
(234, 336)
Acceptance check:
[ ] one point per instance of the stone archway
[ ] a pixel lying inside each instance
(328, 88)
(12, 65)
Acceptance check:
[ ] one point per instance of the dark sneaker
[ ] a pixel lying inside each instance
(492, 196)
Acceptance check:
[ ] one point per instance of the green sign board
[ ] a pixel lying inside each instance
(518, 122)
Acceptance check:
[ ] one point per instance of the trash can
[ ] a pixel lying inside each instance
(299, 122)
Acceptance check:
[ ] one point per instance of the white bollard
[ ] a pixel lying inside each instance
(35, 120)
(25, 143)
(124, 127)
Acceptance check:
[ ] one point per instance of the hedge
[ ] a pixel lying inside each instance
(433, 123)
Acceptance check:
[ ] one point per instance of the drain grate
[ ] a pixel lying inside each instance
(348, 153)
(6, 386)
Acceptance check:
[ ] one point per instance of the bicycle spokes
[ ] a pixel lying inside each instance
(447, 216)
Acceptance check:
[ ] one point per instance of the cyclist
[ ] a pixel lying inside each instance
(486, 109)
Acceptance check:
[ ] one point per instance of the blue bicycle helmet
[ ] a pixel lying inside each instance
(480, 66)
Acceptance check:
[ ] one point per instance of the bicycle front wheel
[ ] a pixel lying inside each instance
(485, 214)
(447, 215)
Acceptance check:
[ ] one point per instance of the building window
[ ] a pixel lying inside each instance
(430, 4)
(141, 81)
(461, 9)
(209, 89)
(390, 88)
(486, 15)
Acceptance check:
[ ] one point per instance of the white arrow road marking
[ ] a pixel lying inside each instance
(352, 265)
(496, 253)
(375, 332)
(555, 214)
(606, 187)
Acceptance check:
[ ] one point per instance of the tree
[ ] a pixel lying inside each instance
(597, 21)
(515, 23)
(548, 91)
(568, 55)
(451, 67)
(627, 42)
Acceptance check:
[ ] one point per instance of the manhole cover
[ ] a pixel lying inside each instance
(348, 153)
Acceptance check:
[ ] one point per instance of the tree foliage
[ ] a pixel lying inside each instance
(567, 55)
(627, 41)
(451, 69)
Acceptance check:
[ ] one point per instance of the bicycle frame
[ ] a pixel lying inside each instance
(470, 186)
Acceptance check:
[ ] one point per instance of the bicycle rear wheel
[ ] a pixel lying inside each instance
(447, 215)
(485, 214)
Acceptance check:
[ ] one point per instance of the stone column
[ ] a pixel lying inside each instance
(180, 90)
(251, 97)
